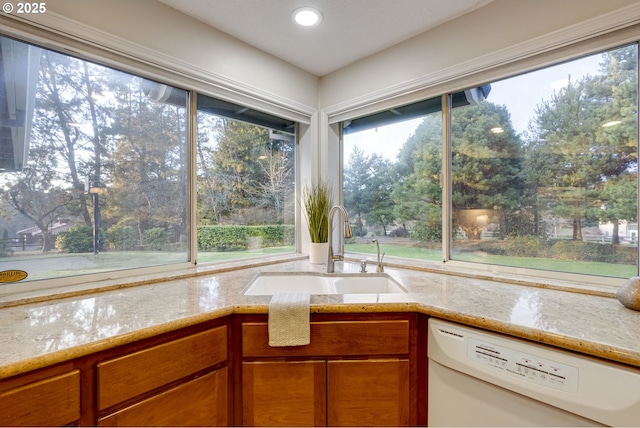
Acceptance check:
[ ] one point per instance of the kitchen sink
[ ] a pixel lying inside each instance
(269, 283)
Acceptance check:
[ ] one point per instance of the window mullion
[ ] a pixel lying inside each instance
(445, 178)
(192, 137)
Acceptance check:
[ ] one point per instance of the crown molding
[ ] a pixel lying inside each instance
(598, 26)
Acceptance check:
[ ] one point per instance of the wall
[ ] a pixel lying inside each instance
(502, 31)
(156, 33)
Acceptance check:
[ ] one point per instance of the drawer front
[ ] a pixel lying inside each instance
(199, 402)
(125, 377)
(54, 401)
(344, 338)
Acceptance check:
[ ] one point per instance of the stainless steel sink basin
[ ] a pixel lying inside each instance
(269, 283)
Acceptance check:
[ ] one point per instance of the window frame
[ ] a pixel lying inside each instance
(181, 79)
(535, 62)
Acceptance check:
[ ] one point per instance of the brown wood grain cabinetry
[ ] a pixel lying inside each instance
(353, 373)
(199, 402)
(360, 369)
(278, 393)
(47, 398)
(368, 392)
(177, 383)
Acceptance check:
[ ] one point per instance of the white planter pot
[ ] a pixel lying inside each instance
(318, 252)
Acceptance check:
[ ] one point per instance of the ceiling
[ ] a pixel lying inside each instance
(351, 29)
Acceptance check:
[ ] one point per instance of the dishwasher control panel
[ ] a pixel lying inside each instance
(527, 367)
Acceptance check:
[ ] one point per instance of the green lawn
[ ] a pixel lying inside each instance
(569, 266)
(56, 265)
(59, 265)
(212, 256)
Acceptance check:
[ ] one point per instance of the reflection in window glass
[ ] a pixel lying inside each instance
(93, 166)
(545, 169)
(245, 183)
(391, 187)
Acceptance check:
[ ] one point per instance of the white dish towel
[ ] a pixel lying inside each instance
(289, 319)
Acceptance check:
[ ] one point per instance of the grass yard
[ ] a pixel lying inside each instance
(570, 266)
(56, 265)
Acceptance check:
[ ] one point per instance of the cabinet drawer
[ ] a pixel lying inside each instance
(54, 401)
(125, 377)
(199, 402)
(344, 338)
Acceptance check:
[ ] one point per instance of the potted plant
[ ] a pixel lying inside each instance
(318, 198)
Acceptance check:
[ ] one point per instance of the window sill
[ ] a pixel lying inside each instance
(487, 272)
(90, 287)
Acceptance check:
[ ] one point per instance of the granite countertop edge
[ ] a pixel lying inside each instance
(417, 301)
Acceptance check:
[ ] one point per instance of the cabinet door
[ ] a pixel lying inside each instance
(47, 402)
(284, 393)
(368, 392)
(200, 402)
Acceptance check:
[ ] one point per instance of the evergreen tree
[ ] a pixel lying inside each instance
(486, 166)
(573, 156)
(417, 195)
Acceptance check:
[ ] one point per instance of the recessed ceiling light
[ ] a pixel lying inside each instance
(306, 16)
(497, 130)
(612, 123)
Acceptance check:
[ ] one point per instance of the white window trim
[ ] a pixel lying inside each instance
(609, 31)
(605, 31)
(80, 40)
(121, 54)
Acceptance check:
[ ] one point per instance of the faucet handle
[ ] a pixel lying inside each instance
(363, 265)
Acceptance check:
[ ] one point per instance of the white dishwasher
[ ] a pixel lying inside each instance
(477, 378)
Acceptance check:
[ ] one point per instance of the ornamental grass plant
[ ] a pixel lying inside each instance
(318, 198)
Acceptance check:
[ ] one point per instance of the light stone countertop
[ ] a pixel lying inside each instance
(39, 334)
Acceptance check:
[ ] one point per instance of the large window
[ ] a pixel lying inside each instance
(543, 172)
(246, 182)
(95, 167)
(391, 187)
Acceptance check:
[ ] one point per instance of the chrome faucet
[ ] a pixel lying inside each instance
(347, 234)
(380, 267)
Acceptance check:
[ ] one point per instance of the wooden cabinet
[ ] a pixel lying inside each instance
(278, 393)
(353, 373)
(199, 402)
(46, 398)
(357, 370)
(182, 382)
(375, 391)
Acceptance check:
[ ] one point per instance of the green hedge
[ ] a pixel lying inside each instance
(78, 239)
(122, 238)
(532, 246)
(238, 237)
(156, 239)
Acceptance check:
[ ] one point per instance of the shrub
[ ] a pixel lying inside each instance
(239, 237)
(122, 237)
(526, 246)
(156, 239)
(426, 232)
(587, 251)
(5, 248)
(78, 239)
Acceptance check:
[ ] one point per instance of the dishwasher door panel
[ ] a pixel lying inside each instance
(457, 399)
